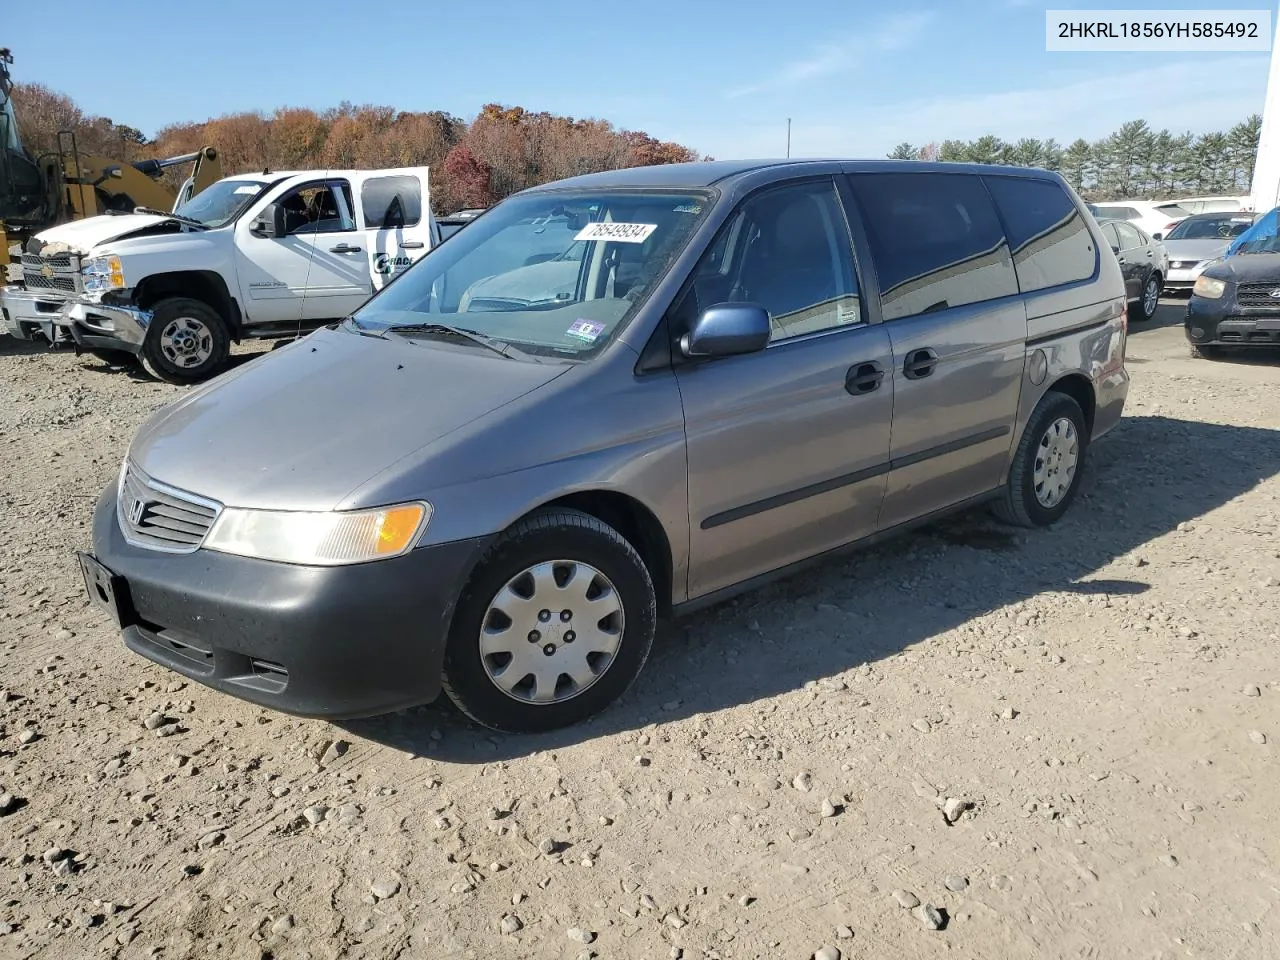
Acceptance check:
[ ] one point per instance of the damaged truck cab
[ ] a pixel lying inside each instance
(252, 256)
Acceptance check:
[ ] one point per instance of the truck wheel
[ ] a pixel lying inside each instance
(1047, 465)
(555, 624)
(186, 342)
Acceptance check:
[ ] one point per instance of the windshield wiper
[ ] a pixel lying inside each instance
(433, 328)
(176, 216)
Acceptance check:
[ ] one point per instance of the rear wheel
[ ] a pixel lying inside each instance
(187, 341)
(1047, 465)
(554, 625)
(1150, 299)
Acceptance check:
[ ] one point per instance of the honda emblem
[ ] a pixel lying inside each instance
(1275, 294)
(135, 512)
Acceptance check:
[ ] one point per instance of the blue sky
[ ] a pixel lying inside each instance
(855, 77)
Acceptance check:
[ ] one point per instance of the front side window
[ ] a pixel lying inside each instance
(788, 250)
(391, 202)
(221, 202)
(1051, 243)
(936, 241)
(318, 208)
(1113, 238)
(557, 273)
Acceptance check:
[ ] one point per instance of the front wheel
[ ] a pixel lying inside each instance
(554, 625)
(187, 341)
(1047, 465)
(1203, 351)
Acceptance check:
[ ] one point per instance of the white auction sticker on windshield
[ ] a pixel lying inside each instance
(587, 330)
(618, 232)
(248, 188)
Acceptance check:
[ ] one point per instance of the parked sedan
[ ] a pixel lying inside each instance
(1144, 263)
(1197, 241)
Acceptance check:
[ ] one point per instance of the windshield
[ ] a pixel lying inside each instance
(1260, 238)
(1210, 228)
(552, 273)
(220, 203)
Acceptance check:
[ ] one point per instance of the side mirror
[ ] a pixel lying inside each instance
(270, 222)
(1115, 250)
(1157, 236)
(727, 329)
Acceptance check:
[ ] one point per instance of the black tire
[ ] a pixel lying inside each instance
(545, 536)
(1141, 314)
(1204, 351)
(1019, 504)
(163, 361)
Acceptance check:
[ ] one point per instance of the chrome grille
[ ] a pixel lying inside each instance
(58, 271)
(161, 517)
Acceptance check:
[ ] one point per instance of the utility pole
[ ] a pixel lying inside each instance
(788, 138)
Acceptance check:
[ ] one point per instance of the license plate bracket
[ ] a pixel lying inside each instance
(107, 591)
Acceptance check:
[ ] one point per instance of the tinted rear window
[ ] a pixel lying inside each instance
(1051, 243)
(935, 239)
(390, 202)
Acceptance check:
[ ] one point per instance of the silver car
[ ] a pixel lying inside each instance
(1197, 241)
(609, 400)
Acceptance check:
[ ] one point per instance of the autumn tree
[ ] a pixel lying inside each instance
(467, 178)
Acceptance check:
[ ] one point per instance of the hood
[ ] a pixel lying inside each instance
(302, 427)
(1247, 268)
(81, 236)
(1205, 249)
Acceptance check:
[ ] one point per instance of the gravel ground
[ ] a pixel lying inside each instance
(971, 742)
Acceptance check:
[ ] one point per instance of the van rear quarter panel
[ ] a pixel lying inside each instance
(1084, 338)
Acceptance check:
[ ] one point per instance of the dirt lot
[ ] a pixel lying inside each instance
(1100, 702)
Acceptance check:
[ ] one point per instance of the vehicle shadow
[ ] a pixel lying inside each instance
(839, 615)
(15, 347)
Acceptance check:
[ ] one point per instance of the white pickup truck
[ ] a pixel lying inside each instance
(252, 256)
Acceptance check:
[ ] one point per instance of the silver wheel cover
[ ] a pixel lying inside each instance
(551, 632)
(1057, 456)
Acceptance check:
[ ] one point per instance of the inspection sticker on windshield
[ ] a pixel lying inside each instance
(618, 232)
(585, 330)
(248, 188)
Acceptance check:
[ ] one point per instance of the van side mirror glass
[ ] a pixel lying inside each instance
(727, 329)
(270, 222)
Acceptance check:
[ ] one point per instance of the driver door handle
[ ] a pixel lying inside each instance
(343, 248)
(411, 245)
(863, 378)
(919, 363)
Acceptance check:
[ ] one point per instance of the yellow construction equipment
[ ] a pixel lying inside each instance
(39, 192)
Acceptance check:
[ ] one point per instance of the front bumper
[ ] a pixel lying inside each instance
(1223, 322)
(25, 314)
(1180, 278)
(104, 326)
(337, 642)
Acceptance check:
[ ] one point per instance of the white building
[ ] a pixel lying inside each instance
(1266, 170)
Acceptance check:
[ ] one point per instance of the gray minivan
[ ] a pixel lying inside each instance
(609, 399)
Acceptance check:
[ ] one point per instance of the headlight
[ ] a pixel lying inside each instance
(102, 274)
(320, 539)
(1208, 287)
